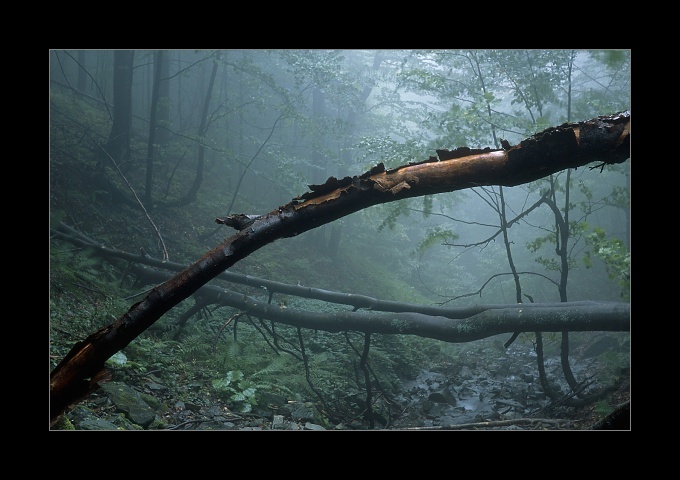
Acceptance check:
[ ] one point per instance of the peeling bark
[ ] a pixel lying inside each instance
(571, 145)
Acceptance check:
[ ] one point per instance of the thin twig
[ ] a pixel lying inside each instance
(160, 238)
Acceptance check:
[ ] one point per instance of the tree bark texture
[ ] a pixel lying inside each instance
(571, 145)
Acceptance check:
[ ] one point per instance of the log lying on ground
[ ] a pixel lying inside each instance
(571, 145)
(473, 322)
(483, 323)
(217, 295)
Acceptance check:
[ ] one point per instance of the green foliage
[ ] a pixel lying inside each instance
(229, 353)
(436, 236)
(614, 365)
(538, 243)
(614, 59)
(241, 389)
(576, 229)
(620, 197)
(603, 408)
(193, 347)
(333, 372)
(392, 213)
(585, 190)
(76, 265)
(237, 389)
(422, 79)
(388, 151)
(394, 216)
(615, 256)
(84, 295)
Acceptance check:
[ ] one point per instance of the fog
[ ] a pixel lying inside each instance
(148, 147)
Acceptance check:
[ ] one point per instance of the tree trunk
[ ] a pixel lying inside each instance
(572, 145)
(198, 179)
(118, 145)
(155, 93)
(163, 109)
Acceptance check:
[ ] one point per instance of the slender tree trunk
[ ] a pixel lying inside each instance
(155, 92)
(203, 127)
(82, 75)
(163, 110)
(118, 145)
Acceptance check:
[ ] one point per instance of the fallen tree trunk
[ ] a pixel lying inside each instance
(474, 322)
(550, 317)
(219, 296)
(603, 139)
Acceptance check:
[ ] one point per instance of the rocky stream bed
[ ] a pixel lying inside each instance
(490, 389)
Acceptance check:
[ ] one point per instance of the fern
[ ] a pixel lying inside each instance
(193, 347)
(276, 365)
(229, 352)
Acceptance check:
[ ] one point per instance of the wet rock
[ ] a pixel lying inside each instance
(213, 411)
(95, 423)
(278, 423)
(447, 421)
(305, 412)
(211, 425)
(312, 426)
(130, 402)
(84, 418)
(156, 387)
(443, 395)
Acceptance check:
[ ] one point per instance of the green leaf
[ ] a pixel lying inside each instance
(435, 237)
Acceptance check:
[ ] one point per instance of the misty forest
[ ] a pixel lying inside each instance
(339, 240)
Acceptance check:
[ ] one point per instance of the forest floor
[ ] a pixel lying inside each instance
(491, 390)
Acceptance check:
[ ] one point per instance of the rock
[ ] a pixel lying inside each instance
(277, 422)
(95, 423)
(304, 412)
(313, 426)
(443, 395)
(82, 418)
(130, 402)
